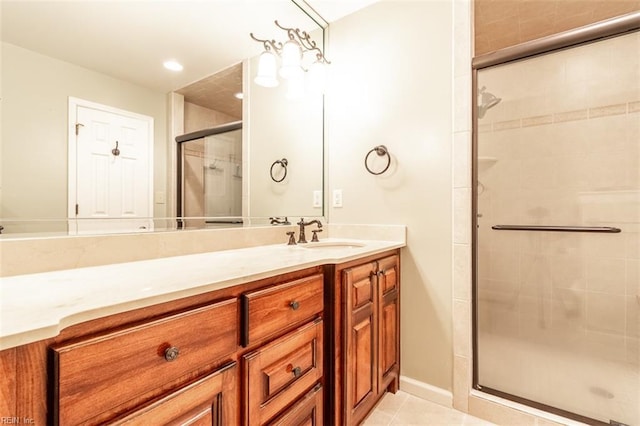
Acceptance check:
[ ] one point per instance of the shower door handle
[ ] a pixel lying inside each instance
(602, 229)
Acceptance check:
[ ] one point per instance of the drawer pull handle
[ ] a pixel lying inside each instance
(294, 305)
(296, 372)
(170, 354)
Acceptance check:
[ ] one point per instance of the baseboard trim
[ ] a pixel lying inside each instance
(426, 391)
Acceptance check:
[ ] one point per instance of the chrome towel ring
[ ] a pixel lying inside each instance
(284, 163)
(381, 150)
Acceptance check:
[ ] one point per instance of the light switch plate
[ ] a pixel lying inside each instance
(160, 197)
(317, 198)
(337, 198)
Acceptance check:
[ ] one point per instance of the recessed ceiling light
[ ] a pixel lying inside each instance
(172, 65)
(239, 95)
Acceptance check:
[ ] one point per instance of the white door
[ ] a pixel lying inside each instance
(110, 179)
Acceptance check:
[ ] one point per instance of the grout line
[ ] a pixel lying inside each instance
(592, 113)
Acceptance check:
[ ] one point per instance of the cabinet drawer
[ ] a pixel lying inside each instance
(307, 411)
(200, 403)
(279, 373)
(103, 373)
(269, 311)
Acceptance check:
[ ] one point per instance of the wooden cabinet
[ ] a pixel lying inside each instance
(308, 411)
(270, 311)
(366, 359)
(208, 401)
(317, 346)
(104, 375)
(282, 370)
(388, 324)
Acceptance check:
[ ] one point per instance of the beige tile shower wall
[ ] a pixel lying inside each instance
(563, 147)
(197, 117)
(504, 23)
(461, 168)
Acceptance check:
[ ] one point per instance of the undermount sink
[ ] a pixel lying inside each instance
(332, 245)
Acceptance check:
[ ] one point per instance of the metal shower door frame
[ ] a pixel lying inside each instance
(580, 36)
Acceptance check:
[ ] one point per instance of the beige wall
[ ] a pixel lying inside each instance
(504, 23)
(34, 128)
(391, 83)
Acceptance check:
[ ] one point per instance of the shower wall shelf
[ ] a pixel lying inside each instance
(485, 162)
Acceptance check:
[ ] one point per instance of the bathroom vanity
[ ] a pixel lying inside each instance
(265, 335)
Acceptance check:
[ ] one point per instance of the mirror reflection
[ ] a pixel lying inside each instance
(210, 176)
(42, 74)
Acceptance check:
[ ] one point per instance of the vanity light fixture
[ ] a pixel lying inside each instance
(292, 57)
(173, 65)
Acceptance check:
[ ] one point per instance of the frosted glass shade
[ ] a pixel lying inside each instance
(267, 70)
(291, 57)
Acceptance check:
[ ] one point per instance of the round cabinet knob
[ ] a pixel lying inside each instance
(296, 372)
(294, 305)
(171, 353)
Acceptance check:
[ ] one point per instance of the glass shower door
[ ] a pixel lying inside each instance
(558, 235)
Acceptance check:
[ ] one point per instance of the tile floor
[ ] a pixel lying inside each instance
(405, 409)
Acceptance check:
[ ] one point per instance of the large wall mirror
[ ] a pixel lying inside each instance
(87, 78)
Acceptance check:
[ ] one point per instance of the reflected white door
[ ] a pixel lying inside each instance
(111, 182)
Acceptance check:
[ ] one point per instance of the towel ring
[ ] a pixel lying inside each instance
(284, 163)
(381, 150)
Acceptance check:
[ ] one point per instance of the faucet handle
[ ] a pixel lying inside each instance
(292, 238)
(314, 239)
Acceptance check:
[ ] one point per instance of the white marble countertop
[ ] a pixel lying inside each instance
(38, 306)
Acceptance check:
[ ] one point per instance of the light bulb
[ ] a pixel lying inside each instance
(267, 69)
(291, 57)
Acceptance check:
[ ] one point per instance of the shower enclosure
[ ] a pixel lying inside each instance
(557, 235)
(210, 177)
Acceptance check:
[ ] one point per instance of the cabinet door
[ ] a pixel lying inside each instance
(208, 401)
(361, 336)
(389, 338)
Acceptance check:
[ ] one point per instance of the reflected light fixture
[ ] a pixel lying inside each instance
(293, 54)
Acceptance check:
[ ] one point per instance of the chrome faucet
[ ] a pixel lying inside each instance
(302, 224)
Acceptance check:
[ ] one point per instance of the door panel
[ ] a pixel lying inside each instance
(361, 327)
(112, 184)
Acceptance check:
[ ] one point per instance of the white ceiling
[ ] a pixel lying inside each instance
(332, 10)
(130, 40)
